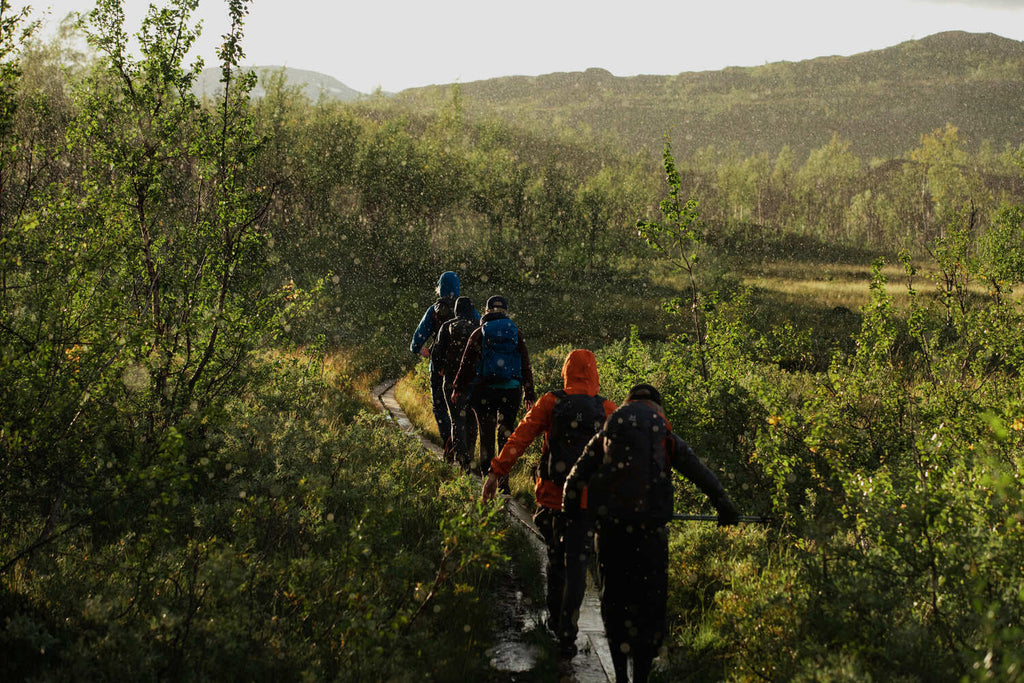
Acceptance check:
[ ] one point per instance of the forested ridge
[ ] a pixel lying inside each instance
(197, 294)
(881, 101)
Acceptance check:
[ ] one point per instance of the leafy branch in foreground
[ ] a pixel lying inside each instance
(678, 238)
(134, 294)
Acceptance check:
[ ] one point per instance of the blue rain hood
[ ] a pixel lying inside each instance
(448, 284)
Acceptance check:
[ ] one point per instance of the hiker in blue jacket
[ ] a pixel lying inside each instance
(439, 312)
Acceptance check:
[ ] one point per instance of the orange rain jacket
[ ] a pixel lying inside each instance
(579, 376)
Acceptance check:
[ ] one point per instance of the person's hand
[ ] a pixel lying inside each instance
(490, 486)
(425, 352)
(728, 516)
(528, 405)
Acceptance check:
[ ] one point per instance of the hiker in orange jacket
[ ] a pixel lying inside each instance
(567, 418)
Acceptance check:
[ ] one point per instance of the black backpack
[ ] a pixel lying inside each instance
(634, 482)
(574, 421)
(459, 331)
(444, 310)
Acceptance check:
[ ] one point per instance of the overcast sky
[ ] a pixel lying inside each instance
(397, 44)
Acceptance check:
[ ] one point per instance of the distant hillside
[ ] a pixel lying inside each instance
(881, 101)
(311, 82)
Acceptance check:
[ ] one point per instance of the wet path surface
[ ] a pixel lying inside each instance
(515, 654)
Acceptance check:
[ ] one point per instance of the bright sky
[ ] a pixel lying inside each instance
(398, 44)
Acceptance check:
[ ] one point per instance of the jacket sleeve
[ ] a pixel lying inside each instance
(585, 467)
(466, 375)
(609, 408)
(686, 462)
(537, 421)
(423, 331)
(529, 393)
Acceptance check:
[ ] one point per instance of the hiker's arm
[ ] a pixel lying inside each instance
(536, 422)
(686, 462)
(423, 331)
(529, 394)
(581, 472)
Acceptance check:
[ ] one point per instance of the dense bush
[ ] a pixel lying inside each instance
(288, 547)
(892, 479)
(184, 494)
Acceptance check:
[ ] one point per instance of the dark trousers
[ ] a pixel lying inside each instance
(440, 406)
(463, 421)
(496, 411)
(570, 542)
(633, 568)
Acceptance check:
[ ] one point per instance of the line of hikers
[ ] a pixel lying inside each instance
(603, 481)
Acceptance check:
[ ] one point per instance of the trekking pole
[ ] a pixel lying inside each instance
(752, 519)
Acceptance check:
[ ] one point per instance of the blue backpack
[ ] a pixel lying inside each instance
(499, 355)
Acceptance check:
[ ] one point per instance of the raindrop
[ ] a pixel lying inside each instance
(135, 377)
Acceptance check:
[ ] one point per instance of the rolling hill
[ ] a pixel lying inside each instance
(312, 83)
(881, 101)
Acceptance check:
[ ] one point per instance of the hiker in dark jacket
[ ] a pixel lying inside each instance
(625, 469)
(495, 377)
(441, 310)
(567, 418)
(447, 354)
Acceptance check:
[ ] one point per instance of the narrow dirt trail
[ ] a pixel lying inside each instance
(593, 663)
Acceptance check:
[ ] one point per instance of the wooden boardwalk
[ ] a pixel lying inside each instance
(593, 663)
